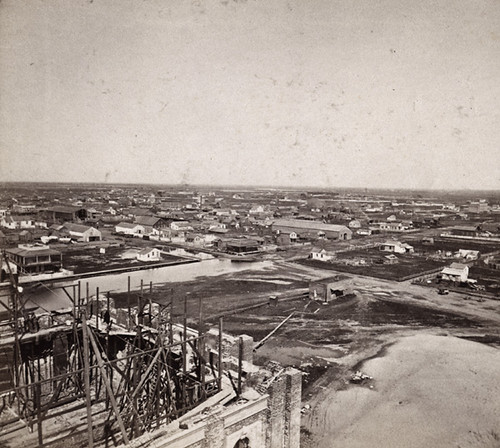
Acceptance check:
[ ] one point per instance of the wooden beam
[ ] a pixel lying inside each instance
(262, 341)
(112, 399)
(219, 361)
(146, 373)
(86, 364)
(240, 363)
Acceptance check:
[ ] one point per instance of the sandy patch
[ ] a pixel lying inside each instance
(428, 391)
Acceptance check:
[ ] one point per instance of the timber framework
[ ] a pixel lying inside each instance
(94, 375)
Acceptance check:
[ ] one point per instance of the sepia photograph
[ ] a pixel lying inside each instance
(249, 224)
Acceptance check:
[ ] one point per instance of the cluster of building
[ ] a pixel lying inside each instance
(236, 222)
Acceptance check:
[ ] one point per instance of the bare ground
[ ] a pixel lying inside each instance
(398, 333)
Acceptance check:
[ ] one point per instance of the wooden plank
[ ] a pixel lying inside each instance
(262, 341)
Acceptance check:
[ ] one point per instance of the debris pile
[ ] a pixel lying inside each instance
(359, 377)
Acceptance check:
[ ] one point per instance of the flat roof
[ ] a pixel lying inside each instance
(310, 225)
(34, 252)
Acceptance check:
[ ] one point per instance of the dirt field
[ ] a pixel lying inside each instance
(407, 265)
(427, 391)
(414, 342)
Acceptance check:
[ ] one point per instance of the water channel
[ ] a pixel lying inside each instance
(52, 296)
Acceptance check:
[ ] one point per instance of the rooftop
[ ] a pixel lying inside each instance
(304, 224)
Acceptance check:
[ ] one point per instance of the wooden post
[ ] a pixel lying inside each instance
(97, 309)
(184, 353)
(240, 363)
(86, 364)
(38, 404)
(201, 348)
(79, 297)
(112, 399)
(128, 302)
(139, 305)
(219, 361)
(87, 302)
(150, 303)
(171, 319)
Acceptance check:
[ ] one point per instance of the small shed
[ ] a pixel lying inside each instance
(25, 236)
(390, 259)
(456, 272)
(327, 290)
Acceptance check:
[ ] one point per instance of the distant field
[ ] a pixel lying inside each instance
(89, 260)
(408, 265)
(454, 246)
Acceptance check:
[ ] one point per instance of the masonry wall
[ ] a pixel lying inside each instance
(271, 421)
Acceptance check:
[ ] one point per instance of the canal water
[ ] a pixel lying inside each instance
(52, 296)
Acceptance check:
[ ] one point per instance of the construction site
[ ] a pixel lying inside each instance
(91, 374)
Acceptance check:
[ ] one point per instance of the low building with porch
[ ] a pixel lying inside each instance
(305, 229)
(242, 246)
(35, 258)
(470, 231)
(396, 247)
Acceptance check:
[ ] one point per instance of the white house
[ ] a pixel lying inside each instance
(468, 254)
(82, 232)
(456, 272)
(128, 228)
(183, 226)
(149, 254)
(396, 247)
(17, 222)
(256, 210)
(321, 255)
(393, 226)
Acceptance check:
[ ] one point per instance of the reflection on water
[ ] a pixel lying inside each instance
(54, 297)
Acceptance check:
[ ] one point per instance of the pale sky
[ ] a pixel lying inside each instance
(330, 93)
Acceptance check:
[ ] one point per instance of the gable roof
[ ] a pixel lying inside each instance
(64, 209)
(147, 220)
(127, 225)
(465, 228)
(147, 250)
(77, 228)
(460, 266)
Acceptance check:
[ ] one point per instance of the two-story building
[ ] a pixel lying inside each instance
(35, 258)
